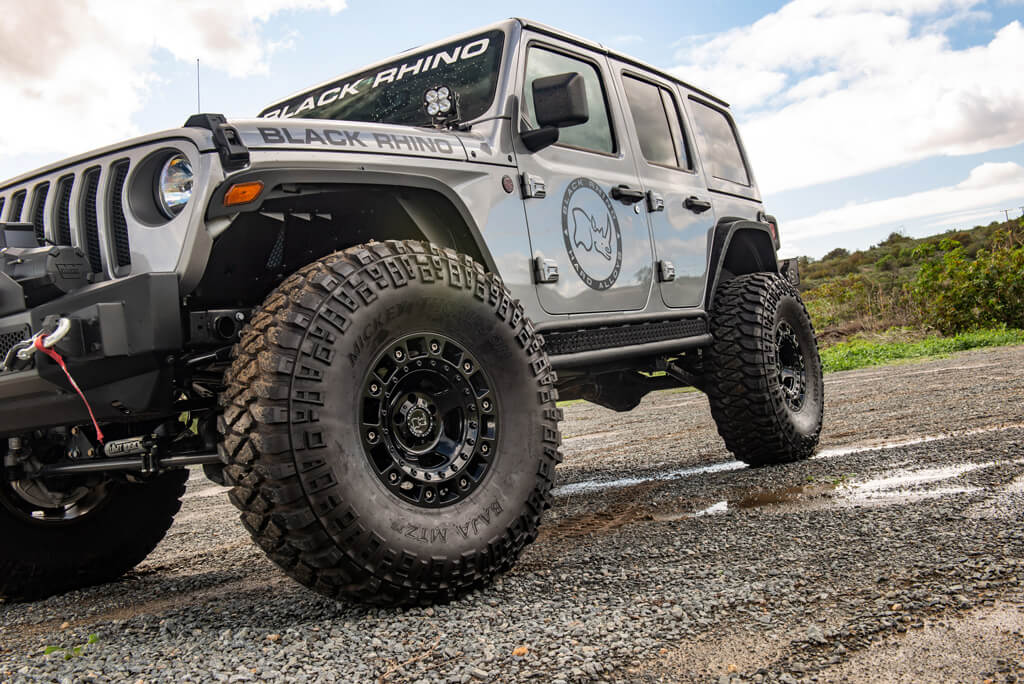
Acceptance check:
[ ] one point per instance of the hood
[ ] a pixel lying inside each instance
(199, 137)
(349, 136)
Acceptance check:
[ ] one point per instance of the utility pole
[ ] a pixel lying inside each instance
(1021, 211)
(1007, 212)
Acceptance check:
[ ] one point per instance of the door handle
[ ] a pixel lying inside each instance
(627, 195)
(696, 204)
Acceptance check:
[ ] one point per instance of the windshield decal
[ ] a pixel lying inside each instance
(337, 92)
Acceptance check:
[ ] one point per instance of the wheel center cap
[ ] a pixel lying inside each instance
(419, 422)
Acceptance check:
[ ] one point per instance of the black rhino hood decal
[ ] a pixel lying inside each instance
(350, 137)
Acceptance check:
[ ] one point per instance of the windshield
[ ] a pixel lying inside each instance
(394, 92)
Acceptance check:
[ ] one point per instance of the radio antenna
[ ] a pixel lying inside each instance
(199, 106)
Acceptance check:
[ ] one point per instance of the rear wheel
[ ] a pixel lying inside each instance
(390, 425)
(764, 380)
(65, 533)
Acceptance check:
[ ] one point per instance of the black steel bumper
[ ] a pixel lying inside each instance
(122, 331)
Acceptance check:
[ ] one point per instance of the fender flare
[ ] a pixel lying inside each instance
(294, 182)
(753, 237)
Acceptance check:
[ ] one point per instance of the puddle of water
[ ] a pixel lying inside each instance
(601, 485)
(720, 507)
(876, 446)
(903, 479)
(909, 496)
(789, 495)
(901, 486)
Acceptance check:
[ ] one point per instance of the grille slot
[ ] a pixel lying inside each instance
(90, 219)
(3, 200)
(118, 224)
(38, 211)
(590, 339)
(17, 202)
(62, 210)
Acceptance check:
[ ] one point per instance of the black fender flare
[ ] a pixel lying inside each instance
(750, 245)
(283, 182)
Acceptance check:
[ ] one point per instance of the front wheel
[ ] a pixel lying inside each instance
(66, 533)
(763, 376)
(390, 425)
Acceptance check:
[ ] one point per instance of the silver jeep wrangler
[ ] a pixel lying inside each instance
(360, 309)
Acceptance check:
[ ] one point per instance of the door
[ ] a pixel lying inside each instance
(677, 200)
(590, 221)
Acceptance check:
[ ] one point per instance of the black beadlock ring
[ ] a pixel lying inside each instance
(789, 363)
(428, 420)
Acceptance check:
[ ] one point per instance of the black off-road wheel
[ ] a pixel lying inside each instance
(91, 532)
(390, 425)
(763, 371)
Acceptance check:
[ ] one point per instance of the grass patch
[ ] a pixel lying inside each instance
(860, 353)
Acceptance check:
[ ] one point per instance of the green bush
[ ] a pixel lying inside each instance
(887, 263)
(859, 352)
(955, 293)
(856, 298)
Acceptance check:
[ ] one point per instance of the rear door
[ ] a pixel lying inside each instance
(601, 244)
(678, 205)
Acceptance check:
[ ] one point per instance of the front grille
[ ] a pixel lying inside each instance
(118, 224)
(12, 336)
(62, 214)
(17, 202)
(83, 207)
(38, 211)
(90, 219)
(589, 339)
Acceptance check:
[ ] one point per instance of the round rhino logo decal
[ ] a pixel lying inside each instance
(591, 233)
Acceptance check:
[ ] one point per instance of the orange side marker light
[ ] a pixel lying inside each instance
(243, 193)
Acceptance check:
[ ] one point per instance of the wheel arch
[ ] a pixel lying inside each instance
(740, 246)
(343, 208)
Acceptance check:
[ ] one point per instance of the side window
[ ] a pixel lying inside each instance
(719, 145)
(656, 117)
(596, 134)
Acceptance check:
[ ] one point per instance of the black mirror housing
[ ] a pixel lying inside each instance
(560, 100)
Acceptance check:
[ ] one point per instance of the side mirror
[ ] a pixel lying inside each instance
(559, 101)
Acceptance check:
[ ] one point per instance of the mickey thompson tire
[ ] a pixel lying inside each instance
(39, 558)
(330, 453)
(763, 372)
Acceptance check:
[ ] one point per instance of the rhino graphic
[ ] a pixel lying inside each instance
(589, 236)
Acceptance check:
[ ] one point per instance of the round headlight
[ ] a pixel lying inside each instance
(174, 185)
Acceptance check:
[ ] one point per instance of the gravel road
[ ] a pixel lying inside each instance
(895, 554)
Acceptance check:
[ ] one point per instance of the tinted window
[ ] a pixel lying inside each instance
(394, 92)
(657, 123)
(721, 150)
(594, 135)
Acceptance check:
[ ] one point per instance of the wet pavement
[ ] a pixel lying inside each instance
(895, 554)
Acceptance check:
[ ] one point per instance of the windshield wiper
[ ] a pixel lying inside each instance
(465, 126)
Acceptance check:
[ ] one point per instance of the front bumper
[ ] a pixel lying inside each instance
(122, 331)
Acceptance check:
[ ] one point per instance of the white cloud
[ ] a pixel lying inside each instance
(829, 91)
(988, 187)
(73, 73)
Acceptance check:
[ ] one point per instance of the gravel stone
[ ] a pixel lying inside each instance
(833, 564)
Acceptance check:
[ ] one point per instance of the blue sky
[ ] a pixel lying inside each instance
(861, 116)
